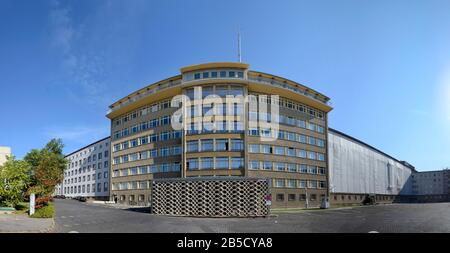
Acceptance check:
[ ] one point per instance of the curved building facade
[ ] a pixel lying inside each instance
(230, 126)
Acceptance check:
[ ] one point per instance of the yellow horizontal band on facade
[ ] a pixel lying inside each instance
(213, 65)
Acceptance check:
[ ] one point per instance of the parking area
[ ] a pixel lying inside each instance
(75, 216)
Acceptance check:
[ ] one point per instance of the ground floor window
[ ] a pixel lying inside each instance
(280, 197)
(291, 197)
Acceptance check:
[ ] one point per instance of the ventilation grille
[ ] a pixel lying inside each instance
(210, 197)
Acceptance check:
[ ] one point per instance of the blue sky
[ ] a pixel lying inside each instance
(384, 64)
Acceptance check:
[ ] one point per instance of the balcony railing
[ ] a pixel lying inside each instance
(150, 91)
(275, 83)
(272, 82)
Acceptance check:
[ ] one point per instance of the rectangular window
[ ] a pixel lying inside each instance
(301, 153)
(322, 184)
(237, 163)
(222, 163)
(237, 145)
(254, 165)
(192, 146)
(320, 157)
(164, 152)
(144, 140)
(312, 155)
(143, 170)
(301, 138)
(266, 149)
(292, 183)
(176, 150)
(291, 167)
(164, 136)
(279, 166)
(312, 184)
(153, 153)
(321, 170)
(133, 157)
(153, 138)
(165, 120)
(303, 168)
(279, 183)
(207, 163)
(267, 165)
(302, 183)
(221, 145)
(278, 150)
(133, 143)
(290, 151)
(207, 145)
(253, 148)
(192, 164)
(153, 123)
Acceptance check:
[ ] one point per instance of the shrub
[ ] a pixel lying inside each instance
(47, 211)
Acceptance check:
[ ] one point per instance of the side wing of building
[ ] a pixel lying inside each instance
(357, 168)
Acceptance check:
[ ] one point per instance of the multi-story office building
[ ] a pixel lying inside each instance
(88, 172)
(5, 152)
(358, 170)
(431, 186)
(145, 146)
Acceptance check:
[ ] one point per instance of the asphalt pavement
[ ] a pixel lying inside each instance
(80, 217)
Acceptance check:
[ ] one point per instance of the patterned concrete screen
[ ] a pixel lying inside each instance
(211, 197)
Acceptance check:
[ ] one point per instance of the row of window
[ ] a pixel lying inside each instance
(210, 163)
(288, 104)
(215, 127)
(94, 158)
(86, 169)
(214, 74)
(90, 149)
(286, 167)
(153, 138)
(143, 126)
(298, 183)
(301, 197)
(205, 145)
(85, 188)
(74, 180)
(147, 154)
(287, 151)
(131, 185)
(143, 111)
(288, 136)
(146, 169)
(286, 120)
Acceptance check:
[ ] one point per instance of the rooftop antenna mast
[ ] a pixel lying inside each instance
(239, 45)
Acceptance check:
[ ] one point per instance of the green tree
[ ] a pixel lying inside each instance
(47, 167)
(14, 180)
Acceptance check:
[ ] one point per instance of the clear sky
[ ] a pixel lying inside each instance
(384, 64)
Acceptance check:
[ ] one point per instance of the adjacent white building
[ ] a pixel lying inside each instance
(358, 168)
(4, 153)
(87, 172)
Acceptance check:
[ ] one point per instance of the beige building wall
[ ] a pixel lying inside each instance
(4, 153)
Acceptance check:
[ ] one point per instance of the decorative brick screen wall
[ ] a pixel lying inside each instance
(210, 197)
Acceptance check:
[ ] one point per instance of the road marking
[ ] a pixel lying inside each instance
(76, 224)
(73, 232)
(66, 225)
(63, 217)
(373, 232)
(71, 216)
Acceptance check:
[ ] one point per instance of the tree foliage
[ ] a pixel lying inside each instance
(47, 167)
(14, 180)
